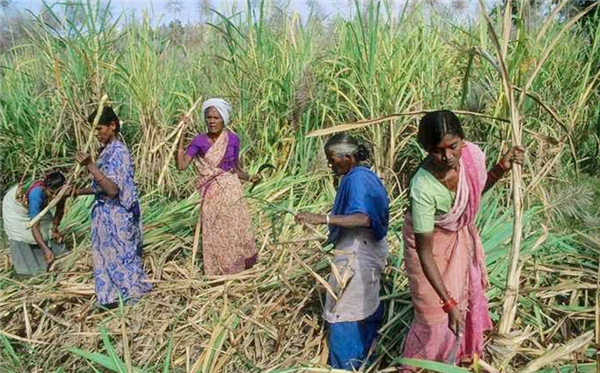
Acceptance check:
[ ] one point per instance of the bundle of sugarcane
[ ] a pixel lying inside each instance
(61, 193)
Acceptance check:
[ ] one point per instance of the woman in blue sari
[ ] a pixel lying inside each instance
(358, 226)
(116, 217)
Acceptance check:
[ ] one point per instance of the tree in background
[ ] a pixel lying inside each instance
(176, 28)
(175, 7)
(204, 11)
(13, 24)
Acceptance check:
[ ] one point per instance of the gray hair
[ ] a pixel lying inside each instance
(344, 144)
(343, 149)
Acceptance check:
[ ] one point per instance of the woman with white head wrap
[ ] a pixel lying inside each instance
(227, 238)
(221, 106)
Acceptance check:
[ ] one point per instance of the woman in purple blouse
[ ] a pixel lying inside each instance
(228, 245)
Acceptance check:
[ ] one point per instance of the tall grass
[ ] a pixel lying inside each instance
(286, 77)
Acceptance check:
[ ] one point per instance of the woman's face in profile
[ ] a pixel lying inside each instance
(340, 165)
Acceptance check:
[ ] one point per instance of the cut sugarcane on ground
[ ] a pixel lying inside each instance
(268, 318)
(287, 76)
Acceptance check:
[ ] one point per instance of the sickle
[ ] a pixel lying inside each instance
(265, 166)
(452, 356)
(261, 169)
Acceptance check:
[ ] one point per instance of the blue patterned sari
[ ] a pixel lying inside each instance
(117, 231)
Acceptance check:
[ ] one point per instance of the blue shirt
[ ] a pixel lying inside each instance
(361, 191)
(36, 199)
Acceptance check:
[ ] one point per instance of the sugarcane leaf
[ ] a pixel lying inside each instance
(431, 365)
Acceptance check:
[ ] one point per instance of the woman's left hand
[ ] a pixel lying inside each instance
(514, 155)
(70, 191)
(83, 159)
(255, 179)
(310, 218)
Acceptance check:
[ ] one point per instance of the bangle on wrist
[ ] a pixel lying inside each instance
(502, 167)
(327, 219)
(101, 179)
(449, 305)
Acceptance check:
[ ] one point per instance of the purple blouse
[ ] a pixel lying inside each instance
(201, 144)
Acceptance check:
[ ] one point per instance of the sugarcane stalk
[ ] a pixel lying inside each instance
(176, 130)
(597, 318)
(299, 240)
(169, 137)
(559, 352)
(512, 280)
(181, 128)
(370, 122)
(195, 244)
(509, 307)
(63, 190)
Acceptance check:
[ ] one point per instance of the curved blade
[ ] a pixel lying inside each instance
(265, 166)
(261, 169)
(452, 356)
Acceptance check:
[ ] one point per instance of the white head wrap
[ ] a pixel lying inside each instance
(222, 107)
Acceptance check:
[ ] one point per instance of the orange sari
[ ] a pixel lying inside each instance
(227, 239)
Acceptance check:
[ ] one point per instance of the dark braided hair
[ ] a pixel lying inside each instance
(107, 117)
(54, 180)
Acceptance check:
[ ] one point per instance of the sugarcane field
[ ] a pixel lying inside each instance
(278, 186)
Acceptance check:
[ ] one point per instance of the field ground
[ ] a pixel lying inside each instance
(286, 78)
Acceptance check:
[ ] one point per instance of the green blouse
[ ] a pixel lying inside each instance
(428, 197)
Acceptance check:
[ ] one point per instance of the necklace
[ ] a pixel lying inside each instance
(440, 175)
(443, 180)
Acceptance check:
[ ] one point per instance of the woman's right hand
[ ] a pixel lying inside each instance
(57, 236)
(83, 159)
(185, 119)
(455, 321)
(49, 256)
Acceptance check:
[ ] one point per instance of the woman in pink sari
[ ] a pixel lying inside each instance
(228, 245)
(443, 253)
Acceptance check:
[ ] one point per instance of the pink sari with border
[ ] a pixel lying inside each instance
(228, 245)
(458, 253)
